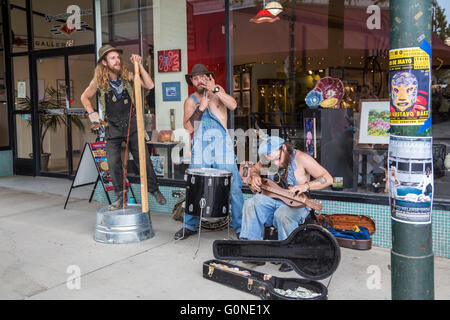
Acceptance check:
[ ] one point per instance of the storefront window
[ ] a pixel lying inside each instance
(19, 38)
(342, 46)
(22, 93)
(334, 45)
(62, 23)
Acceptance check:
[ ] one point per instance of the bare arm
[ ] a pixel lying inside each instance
(189, 108)
(87, 95)
(192, 114)
(228, 101)
(322, 177)
(146, 80)
(255, 175)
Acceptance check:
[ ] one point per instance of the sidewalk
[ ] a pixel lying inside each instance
(43, 246)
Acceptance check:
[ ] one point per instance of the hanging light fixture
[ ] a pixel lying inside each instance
(274, 7)
(268, 13)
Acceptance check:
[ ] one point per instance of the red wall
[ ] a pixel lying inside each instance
(206, 43)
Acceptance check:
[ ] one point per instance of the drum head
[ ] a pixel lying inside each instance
(209, 172)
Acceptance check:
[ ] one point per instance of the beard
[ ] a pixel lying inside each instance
(199, 90)
(285, 163)
(117, 70)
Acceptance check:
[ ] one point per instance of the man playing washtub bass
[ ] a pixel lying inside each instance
(114, 83)
(205, 115)
(295, 169)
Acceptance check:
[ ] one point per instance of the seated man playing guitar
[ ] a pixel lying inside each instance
(294, 171)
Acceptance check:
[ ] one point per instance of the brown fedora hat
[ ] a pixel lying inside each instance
(104, 50)
(198, 69)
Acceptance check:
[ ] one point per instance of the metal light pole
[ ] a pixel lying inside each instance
(412, 263)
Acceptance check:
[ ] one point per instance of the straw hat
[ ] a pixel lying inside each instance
(104, 50)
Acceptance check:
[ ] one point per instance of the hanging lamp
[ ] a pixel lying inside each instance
(268, 13)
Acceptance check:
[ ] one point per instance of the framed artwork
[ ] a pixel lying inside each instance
(374, 122)
(310, 137)
(158, 165)
(169, 60)
(246, 99)
(2, 90)
(246, 81)
(237, 97)
(171, 91)
(236, 82)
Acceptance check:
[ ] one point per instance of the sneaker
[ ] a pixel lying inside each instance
(118, 204)
(187, 233)
(159, 197)
(285, 268)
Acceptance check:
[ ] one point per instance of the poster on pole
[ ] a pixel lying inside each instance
(410, 85)
(411, 183)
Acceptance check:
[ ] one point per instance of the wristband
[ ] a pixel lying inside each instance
(196, 116)
(309, 187)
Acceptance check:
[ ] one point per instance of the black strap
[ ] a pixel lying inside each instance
(196, 116)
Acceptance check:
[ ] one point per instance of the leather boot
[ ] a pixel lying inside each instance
(118, 204)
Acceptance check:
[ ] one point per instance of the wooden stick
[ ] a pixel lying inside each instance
(141, 137)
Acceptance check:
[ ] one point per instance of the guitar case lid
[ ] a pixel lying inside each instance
(311, 250)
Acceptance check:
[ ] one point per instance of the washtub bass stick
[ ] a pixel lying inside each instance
(141, 137)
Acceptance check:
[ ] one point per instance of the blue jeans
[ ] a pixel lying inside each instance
(262, 211)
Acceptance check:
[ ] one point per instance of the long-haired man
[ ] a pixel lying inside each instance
(114, 83)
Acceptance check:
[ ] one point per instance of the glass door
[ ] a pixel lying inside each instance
(81, 71)
(63, 122)
(53, 124)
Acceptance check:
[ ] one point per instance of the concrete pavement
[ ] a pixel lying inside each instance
(44, 248)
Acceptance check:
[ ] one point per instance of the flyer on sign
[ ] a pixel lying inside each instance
(99, 152)
(410, 82)
(411, 184)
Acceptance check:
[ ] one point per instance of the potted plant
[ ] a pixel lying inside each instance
(48, 120)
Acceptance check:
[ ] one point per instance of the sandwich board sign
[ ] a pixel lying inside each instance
(92, 168)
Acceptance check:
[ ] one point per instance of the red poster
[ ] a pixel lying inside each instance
(169, 60)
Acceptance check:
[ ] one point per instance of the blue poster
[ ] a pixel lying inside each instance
(171, 91)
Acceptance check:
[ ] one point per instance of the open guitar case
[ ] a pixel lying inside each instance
(311, 250)
(344, 224)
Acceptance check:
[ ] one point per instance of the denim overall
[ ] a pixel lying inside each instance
(261, 211)
(212, 148)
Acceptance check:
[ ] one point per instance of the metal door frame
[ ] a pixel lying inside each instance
(53, 53)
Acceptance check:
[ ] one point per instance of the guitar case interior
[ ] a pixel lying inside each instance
(347, 222)
(311, 250)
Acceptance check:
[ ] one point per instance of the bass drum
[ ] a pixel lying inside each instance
(216, 225)
(208, 192)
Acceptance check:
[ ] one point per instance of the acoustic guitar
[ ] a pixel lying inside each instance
(271, 189)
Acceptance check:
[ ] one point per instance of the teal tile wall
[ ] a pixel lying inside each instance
(6, 163)
(379, 213)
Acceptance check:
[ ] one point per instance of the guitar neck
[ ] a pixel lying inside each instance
(304, 199)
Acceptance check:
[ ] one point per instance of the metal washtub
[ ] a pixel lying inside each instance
(123, 226)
